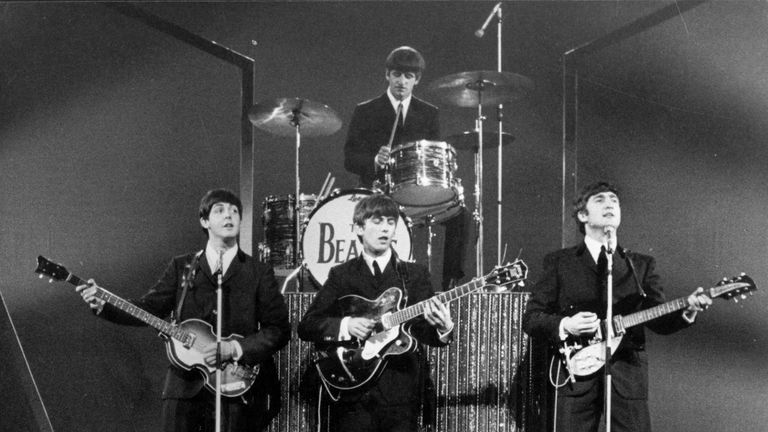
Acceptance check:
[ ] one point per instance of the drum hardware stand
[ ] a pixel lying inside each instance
(428, 222)
(479, 86)
(499, 117)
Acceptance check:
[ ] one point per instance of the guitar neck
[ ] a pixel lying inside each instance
(417, 310)
(646, 315)
(132, 310)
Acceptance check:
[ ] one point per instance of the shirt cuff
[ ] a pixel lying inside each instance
(689, 316)
(444, 336)
(561, 331)
(343, 330)
(238, 350)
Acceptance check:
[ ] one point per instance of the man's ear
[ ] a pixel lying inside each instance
(582, 215)
(204, 223)
(359, 230)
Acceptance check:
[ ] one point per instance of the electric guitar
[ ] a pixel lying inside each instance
(184, 342)
(585, 356)
(347, 365)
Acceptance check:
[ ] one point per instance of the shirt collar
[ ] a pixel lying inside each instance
(382, 260)
(593, 246)
(212, 256)
(395, 102)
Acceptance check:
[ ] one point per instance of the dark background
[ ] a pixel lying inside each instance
(111, 131)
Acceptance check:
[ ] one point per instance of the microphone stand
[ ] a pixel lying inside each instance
(219, 302)
(499, 116)
(608, 332)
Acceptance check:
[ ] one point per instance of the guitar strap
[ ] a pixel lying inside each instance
(625, 254)
(401, 268)
(187, 282)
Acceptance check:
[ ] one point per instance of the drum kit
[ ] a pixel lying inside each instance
(315, 232)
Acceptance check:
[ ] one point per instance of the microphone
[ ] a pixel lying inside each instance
(610, 232)
(481, 31)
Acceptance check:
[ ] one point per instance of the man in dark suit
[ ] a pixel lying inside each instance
(391, 400)
(569, 301)
(366, 151)
(253, 308)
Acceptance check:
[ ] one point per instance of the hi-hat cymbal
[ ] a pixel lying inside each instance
(281, 116)
(468, 140)
(468, 89)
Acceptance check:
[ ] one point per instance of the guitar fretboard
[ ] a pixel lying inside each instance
(416, 310)
(158, 323)
(646, 315)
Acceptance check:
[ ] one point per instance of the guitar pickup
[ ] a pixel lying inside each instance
(618, 326)
(189, 340)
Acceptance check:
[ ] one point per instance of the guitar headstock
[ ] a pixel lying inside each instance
(51, 269)
(508, 274)
(734, 288)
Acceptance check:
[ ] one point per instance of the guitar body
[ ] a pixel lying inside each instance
(586, 359)
(236, 379)
(349, 365)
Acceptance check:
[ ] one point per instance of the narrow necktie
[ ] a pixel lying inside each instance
(399, 124)
(602, 262)
(376, 269)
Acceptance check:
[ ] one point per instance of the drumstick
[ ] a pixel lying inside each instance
(322, 188)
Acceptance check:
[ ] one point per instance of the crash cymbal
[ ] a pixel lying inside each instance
(280, 116)
(467, 89)
(468, 140)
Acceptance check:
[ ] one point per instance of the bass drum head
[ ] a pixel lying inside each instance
(329, 238)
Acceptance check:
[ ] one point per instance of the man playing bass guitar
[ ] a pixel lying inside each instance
(387, 398)
(254, 314)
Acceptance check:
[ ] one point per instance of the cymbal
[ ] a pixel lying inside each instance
(467, 89)
(468, 140)
(280, 116)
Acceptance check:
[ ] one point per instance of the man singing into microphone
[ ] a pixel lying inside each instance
(569, 301)
(253, 308)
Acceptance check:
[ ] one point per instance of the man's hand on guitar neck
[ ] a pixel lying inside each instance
(437, 314)
(697, 301)
(88, 293)
(580, 324)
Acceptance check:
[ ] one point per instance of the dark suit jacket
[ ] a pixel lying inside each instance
(400, 382)
(253, 308)
(571, 284)
(371, 127)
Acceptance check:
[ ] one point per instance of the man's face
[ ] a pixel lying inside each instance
(401, 83)
(223, 222)
(377, 234)
(602, 210)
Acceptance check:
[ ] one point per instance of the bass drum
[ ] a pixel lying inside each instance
(329, 238)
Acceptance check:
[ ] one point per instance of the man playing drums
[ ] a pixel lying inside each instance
(370, 137)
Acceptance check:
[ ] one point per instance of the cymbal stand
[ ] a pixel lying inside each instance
(297, 259)
(479, 86)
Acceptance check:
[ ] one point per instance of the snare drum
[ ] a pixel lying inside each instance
(420, 216)
(279, 221)
(329, 237)
(422, 173)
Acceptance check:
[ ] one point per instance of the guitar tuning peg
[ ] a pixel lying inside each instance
(40, 276)
(735, 299)
(50, 280)
(742, 274)
(744, 296)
